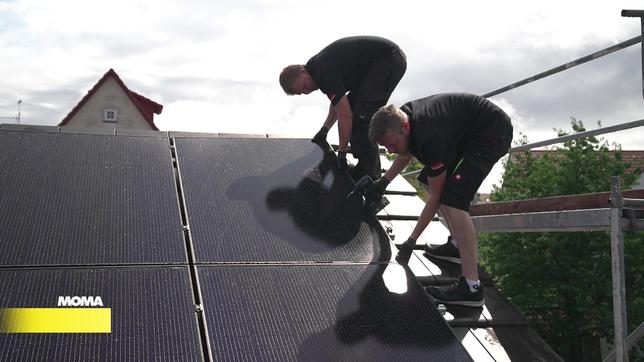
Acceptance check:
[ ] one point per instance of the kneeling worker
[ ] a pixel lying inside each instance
(458, 137)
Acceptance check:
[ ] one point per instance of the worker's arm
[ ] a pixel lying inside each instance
(377, 189)
(431, 207)
(436, 184)
(320, 137)
(331, 117)
(399, 164)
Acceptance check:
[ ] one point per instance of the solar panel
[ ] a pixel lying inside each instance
(272, 200)
(288, 267)
(322, 313)
(71, 199)
(152, 314)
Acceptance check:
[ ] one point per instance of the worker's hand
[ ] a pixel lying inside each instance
(320, 137)
(377, 189)
(342, 160)
(404, 251)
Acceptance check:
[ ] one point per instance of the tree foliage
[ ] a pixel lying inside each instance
(562, 281)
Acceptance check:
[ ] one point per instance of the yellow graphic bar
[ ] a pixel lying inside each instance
(56, 320)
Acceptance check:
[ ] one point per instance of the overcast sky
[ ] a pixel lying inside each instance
(214, 65)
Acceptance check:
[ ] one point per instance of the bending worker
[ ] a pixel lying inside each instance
(458, 137)
(368, 68)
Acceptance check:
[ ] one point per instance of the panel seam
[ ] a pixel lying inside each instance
(192, 267)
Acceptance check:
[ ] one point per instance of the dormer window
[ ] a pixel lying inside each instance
(109, 115)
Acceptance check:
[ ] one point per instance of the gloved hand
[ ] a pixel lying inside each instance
(342, 160)
(320, 137)
(377, 189)
(404, 251)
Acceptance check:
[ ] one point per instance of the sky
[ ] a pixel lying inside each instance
(214, 65)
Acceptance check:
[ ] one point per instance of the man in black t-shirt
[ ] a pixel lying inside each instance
(358, 75)
(458, 137)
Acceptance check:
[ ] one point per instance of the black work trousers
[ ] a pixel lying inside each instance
(373, 93)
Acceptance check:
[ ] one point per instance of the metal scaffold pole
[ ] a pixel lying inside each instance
(637, 14)
(617, 261)
(561, 68)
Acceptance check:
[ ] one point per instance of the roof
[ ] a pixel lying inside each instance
(261, 257)
(146, 106)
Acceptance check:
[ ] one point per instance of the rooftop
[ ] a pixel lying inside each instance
(203, 247)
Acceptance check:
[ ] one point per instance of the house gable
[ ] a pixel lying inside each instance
(110, 104)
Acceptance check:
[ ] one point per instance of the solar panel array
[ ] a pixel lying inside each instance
(204, 248)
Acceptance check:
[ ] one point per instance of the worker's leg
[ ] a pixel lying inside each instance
(365, 151)
(460, 187)
(374, 92)
(447, 251)
(466, 238)
(462, 230)
(422, 178)
(378, 84)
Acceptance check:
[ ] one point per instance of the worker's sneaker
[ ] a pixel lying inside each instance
(458, 293)
(445, 251)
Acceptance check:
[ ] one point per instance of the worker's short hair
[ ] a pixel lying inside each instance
(288, 76)
(386, 118)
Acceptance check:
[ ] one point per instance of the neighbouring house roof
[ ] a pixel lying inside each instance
(146, 106)
(635, 158)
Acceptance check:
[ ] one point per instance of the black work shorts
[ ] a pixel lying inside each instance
(464, 180)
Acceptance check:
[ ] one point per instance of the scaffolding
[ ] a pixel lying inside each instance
(608, 211)
(618, 216)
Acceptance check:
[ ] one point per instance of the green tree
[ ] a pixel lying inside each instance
(562, 281)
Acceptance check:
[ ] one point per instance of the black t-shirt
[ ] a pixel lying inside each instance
(342, 65)
(444, 126)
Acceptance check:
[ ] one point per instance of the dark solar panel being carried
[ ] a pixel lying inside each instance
(272, 200)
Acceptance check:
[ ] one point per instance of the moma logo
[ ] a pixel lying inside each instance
(76, 301)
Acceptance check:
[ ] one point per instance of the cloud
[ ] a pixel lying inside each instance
(214, 65)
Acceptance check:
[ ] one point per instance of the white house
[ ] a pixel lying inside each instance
(110, 104)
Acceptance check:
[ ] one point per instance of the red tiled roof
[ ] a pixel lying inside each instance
(635, 158)
(146, 106)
